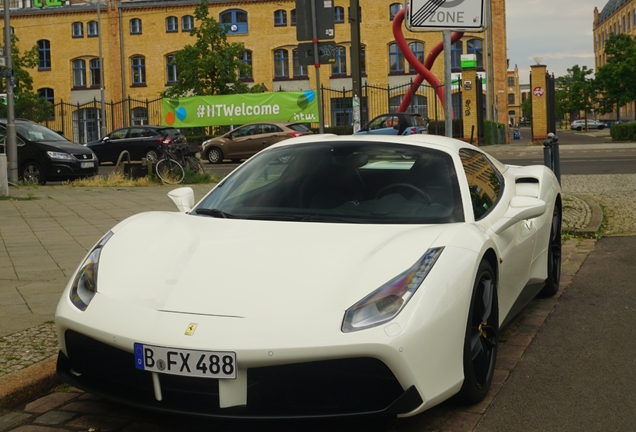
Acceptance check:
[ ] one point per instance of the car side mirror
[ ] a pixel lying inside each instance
(183, 198)
(521, 208)
(105, 139)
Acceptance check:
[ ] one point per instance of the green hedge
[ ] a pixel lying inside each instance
(438, 127)
(494, 133)
(623, 131)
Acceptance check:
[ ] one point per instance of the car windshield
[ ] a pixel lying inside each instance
(36, 132)
(341, 182)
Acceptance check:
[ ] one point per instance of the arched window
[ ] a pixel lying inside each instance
(138, 67)
(475, 46)
(234, 21)
(44, 54)
(187, 23)
(338, 14)
(280, 18)
(96, 77)
(419, 104)
(396, 59)
(281, 63)
(394, 8)
(77, 29)
(300, 71)
(135, 26)
(456, 54)
(339, 67)
(417, 48)
(172, 24)
(47, 94)
(247, 59)
(171, 69)
(79, 73)
(85, 125)
(92, 29)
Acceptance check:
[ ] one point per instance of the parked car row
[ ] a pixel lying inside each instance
(580, 125)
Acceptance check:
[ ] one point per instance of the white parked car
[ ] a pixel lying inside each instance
(591, 124)
(326, 276)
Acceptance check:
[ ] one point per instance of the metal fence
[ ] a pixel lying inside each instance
(80, 122)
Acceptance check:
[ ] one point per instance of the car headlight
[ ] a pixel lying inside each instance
(386, 302)
(59, 155)
(84, 284)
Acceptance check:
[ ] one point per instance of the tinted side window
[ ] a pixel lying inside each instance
(119, 134)
(484, 181)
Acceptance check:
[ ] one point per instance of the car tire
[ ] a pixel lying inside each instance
(554, 255)
(214, 156)
(152, 155)
(236, 160)
(578, 128)
(600, 127)
(482, 337)
(32, 173)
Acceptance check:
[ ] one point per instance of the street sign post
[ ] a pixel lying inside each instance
(436, 15)
(326, 53)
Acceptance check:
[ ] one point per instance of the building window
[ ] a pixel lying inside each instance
(396, 59)
(629, 20)
(475, 46)
(292, 17)
(92, 29)
(338, 14)
(44, 54)
(342, 111)
(247, 59)
(47, 94)
(419, 104)
(394, 8)
(135, 26)
(79, 73)
(138, 64)
(363, 60)
(511, 81)
(172, 25)
(417, 48)
(187, 23)
(280, 18)
(139, 116)
(96, 77)
(300, 71)
(339, 67)
(234, 21)
(171, 69)
(456, 55)
(511, 98)
(78, 29)
(85, 125)
(281, 64)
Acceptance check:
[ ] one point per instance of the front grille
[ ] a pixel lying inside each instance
(315, 389)
(83, 156)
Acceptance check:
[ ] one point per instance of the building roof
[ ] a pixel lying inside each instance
(609, 9)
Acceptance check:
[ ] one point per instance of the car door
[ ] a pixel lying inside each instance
(20, 146)
(270, 134)
(383, 125)
(111, 149)
(242, 142)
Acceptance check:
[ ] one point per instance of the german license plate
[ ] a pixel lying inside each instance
(87, 164)
(177, 361)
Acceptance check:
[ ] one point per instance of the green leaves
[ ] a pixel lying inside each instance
(615, 80)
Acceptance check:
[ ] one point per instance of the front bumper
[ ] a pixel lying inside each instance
(329, 388)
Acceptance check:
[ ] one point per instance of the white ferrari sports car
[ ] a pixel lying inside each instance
(326, 276)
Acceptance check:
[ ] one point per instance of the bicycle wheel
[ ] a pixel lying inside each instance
(169, 171)
(194, 165)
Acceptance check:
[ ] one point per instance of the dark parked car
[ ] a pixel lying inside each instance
(139, 141)
(395, 124)
(245, 141)
(45, 155)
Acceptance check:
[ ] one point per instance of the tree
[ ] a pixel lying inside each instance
(575, 92)
(526, 108)
(27, 104)
(615, 79)
(210, 65)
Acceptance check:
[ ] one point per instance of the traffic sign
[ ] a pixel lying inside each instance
(436, 15)
(3, 61)
(324, 19)
(326, 53)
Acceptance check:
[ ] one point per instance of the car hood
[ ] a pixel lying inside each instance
(201, 265)
(66, 146)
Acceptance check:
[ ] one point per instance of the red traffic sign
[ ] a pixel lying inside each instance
(538, 91)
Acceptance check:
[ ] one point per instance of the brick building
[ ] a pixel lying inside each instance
(140, 37)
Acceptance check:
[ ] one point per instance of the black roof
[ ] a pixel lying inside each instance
(609, 9)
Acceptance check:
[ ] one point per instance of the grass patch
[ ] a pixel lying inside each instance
(118, 179)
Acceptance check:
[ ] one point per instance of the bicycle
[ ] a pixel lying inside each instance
(175, 160)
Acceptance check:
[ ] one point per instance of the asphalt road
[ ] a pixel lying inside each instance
(578, 374)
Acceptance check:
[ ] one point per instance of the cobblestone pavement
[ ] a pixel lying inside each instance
(69, 409)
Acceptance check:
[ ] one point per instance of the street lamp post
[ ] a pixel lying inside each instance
(11, 144)
(102, 129)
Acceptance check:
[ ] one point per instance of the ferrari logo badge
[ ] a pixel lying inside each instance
(190, 329)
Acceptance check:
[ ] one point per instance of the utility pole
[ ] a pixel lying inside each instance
(356, 75)
(11, 147)
(102, 129)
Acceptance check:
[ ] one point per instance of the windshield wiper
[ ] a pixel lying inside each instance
(214, 213)
(300, 218)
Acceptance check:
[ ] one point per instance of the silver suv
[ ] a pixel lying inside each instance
(591, 124)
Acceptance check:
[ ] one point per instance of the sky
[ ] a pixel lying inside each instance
(557, 32)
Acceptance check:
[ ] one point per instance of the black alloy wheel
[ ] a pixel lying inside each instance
(32, 173)
(554, 255)
(482, 337)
